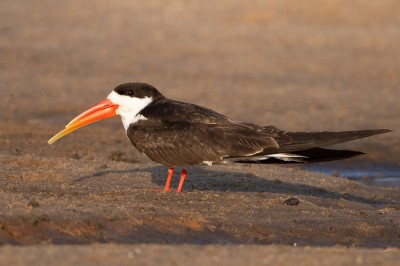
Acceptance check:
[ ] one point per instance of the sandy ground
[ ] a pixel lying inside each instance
(90, 197)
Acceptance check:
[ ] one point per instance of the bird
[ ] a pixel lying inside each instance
(179, 134)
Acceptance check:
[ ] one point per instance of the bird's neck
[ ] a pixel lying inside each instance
(130, 120)
(130, 114)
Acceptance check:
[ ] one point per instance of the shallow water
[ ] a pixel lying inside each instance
(370, 173)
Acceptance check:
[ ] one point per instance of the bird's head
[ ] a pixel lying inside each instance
(126, 100)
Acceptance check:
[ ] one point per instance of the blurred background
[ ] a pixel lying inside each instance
(299, 65)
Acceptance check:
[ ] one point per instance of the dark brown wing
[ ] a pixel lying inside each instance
(177, 133)
(298, 141)
(185, 143)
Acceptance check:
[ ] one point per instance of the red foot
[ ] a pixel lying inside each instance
(162, 190)
(168, 182)
(183, 176)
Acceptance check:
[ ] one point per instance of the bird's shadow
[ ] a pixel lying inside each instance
(205, 179)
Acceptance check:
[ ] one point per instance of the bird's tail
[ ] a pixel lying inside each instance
(307, 147)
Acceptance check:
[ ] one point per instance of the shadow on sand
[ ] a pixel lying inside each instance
(205, 179)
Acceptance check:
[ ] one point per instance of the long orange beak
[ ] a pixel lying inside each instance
(102, 110)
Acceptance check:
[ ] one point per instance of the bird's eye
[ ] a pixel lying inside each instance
(130, 93)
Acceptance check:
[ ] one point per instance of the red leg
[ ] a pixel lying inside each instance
(183, 176)
(167, 184)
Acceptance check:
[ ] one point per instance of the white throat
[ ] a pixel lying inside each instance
(129, 107)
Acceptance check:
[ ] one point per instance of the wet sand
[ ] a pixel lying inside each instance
(300, 67)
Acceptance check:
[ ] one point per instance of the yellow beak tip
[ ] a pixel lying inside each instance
(103, 109)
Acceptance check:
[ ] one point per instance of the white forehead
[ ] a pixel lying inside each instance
(129, 107)
(127, 102)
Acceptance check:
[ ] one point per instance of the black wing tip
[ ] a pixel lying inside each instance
(323, 155)
(382, 130)
(371, 132)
